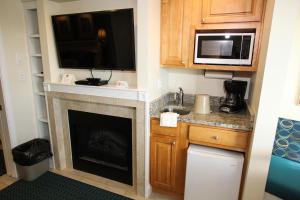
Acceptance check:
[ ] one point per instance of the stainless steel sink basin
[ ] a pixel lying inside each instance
(176, 109)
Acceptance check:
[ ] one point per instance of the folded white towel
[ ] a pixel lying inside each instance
(168, 119)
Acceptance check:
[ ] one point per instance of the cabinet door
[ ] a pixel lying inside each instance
(172, 17)
(219, 11)
(163, 163)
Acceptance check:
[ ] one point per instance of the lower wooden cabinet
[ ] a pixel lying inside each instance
(169, 146)
(163, 162)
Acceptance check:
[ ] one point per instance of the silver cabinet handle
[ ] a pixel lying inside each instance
(203, 20)
(174, 142)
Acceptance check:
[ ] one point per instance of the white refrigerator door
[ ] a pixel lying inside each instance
(212, 174)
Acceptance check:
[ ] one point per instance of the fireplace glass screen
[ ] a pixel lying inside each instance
(102, 145)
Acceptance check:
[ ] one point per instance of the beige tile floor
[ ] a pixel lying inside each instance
(96, 181)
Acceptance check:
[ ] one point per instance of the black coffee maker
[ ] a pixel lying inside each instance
(234, 101)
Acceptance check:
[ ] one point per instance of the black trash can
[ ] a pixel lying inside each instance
(32, 158)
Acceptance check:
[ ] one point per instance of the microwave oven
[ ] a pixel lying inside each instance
(223, 47)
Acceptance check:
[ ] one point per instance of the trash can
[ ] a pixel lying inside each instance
(31, 158)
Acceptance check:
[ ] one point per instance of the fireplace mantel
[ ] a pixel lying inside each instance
(104, 91)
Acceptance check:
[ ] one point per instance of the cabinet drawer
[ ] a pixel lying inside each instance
(156, 129)
(232, 139)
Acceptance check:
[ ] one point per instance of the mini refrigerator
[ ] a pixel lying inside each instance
(212, 174)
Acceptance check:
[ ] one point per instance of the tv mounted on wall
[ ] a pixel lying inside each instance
(95, 40)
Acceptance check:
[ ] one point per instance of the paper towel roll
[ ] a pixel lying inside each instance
(202, 104)
(218, 74)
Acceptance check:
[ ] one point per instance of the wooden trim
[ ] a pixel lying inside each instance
(183, 145)
(225, 68)
(5, 139)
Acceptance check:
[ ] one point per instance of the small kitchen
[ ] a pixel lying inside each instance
(199, 142)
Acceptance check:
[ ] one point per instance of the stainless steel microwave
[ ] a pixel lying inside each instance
(220, 47)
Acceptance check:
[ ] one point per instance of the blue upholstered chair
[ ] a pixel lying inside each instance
(284, 178)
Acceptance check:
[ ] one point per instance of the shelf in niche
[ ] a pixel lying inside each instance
(38, 75)
(43, 119)
(36, 55)
(34, 35)
(40, 93)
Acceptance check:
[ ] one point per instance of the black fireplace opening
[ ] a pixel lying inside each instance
(102, 145)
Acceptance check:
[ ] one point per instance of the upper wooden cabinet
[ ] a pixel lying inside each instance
(181, 18)
(221, 11)
(174, 27)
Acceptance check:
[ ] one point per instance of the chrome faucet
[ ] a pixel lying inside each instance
(179, 97)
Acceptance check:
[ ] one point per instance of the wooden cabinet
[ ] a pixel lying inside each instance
(181, 18)
(174, 20)
(222, 11)
(163, 156)
(163, 162)
(168, 151)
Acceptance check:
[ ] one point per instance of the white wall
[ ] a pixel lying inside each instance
(257, 77)
(281, 74)
(194, 82)
(290, 107)
(18, 93)
(150, 76)
(77, 7)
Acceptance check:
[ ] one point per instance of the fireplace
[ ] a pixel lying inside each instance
(102, 145)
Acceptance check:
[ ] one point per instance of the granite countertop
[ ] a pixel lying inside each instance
(240, 121)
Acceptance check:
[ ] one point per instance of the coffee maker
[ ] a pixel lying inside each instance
(235, 94)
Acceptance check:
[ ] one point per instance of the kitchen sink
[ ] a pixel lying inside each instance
(176, 109)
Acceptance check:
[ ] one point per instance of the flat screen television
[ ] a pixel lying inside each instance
(96, 40)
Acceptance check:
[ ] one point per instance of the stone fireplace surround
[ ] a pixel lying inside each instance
(61, 98)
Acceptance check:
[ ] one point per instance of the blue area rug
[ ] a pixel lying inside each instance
(51, 186)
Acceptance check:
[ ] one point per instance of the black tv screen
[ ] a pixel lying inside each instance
(98, 40)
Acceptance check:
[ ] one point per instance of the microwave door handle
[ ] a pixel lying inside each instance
(242, 43)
